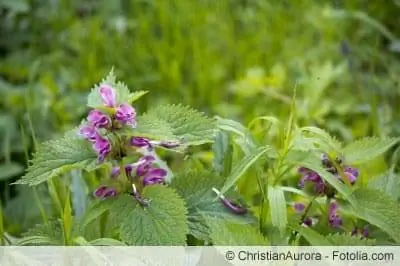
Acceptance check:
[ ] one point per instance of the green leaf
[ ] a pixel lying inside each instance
(123, 94)
(56, 157)
(163, 222)
(96, 211)
(227, 233)
(137, 95)
(106, 242)
(195, 187)
(388, 183)
(313, 237)
(278, 211)
(348, 240)
(37, 241)
(222, 151)
(366, 149)
(378, 209)
(52, 232)
(322, 139)
(10, 170)
(242, 166)
(312, 162)
(176, 122)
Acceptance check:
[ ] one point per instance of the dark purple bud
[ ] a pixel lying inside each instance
(352, 170)
(308, 222)
(299, 207)
(233, 207)
(111, 192)
(144, 165)
(98, 119)
(365, 231)
(128, 170)
(102, 147)
(352, 179)
(126, 114)
(140, 142)
(99, 192)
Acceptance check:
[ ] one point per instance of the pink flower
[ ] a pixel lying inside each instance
(98, 119)
(89, 132)
(140, 142)
(334, 219)
(108, 95)
(102, 146)
(126, 114)
(144, 165)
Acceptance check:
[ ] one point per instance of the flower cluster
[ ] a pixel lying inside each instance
(143, 172)
(99, 121)
(315, 183)
(300, 209)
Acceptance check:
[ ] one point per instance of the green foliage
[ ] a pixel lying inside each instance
(378, 209)
(277, 204)
(388, 183)
(195, 187)
(228, 233)
(347, 240)
(163, 222)
(176, 122)
(10, 169)
(366, 149)
(56, 157)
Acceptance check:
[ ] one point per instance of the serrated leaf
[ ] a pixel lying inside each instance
(56, 157)
(378, 209)
(366, 149)
(52, 231)
(37, 241)
(227, 233)
(348, 240)
(388, 183)
(137, 95)
(242, 166)
(278, 210)
(322, 139)
(195, 187)
(106, 242)
(177, 122)
(162, 223)
(10, 170)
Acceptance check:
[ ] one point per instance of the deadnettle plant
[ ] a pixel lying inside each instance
(101, 129)
(312, 182)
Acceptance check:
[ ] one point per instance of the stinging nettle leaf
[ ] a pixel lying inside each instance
(195, 187)
(56, 157)
(176, 122)
(378, 209)
(228, 233)
(348, 240)
(388, 183)
(367, 148)
(162, 223)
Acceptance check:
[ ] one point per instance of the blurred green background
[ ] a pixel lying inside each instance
(236, 59)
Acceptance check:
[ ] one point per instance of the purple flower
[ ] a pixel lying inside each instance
(98, 119)
(364, 232)
(116, 171)
(154, 176)
(334, 219)
(126, 114)
(144, 165)
(299, 207)
(104, 192)
(140, 142)
(102, 146)
(230, 205)
(108, 95)
(313, 178)
(89, 132)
